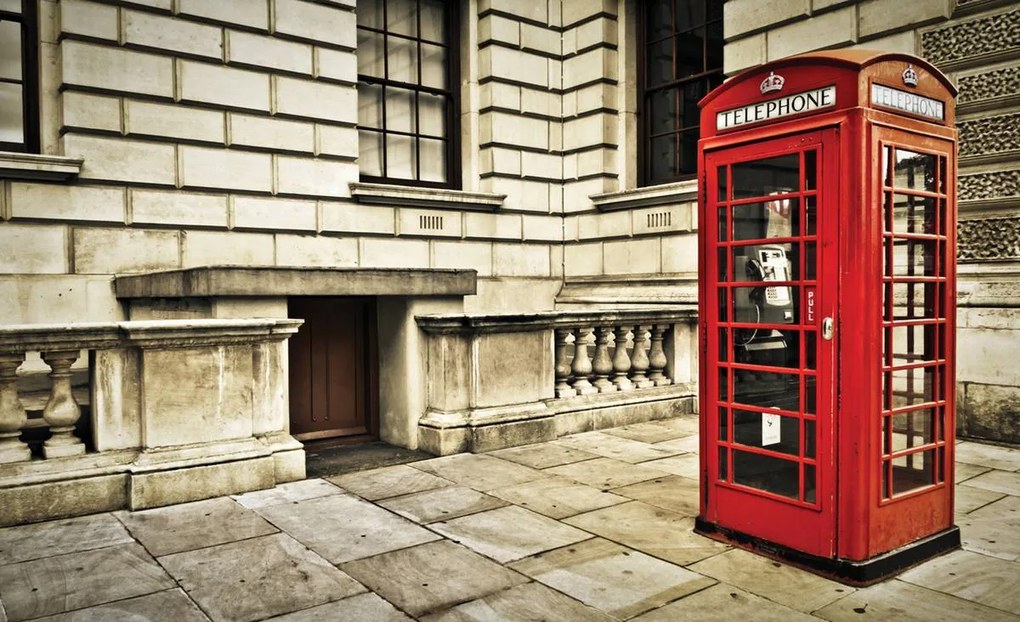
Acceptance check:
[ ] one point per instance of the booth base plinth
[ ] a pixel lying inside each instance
(850, 572)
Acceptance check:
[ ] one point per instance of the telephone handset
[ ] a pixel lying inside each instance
(772, 265)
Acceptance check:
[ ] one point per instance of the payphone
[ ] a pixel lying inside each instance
(827, 311)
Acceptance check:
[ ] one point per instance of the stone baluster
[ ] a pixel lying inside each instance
(581, 367)
(639, 360)
(61, 412)
(12, 414)
(657, 357)
(602, 364)
(621, 360)
(563, 364)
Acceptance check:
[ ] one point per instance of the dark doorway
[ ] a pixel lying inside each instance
(333, 389)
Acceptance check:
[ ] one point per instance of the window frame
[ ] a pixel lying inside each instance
(713, 75)
(29, 78)
(451, 27)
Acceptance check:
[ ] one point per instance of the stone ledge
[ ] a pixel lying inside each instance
(647, 197)
(283, 281)
(410, 196)
(33, 166)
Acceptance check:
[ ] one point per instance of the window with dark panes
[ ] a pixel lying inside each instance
(681, 61)
(407, 92)
(18, 100)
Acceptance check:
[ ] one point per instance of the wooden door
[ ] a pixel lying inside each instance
(332, 368)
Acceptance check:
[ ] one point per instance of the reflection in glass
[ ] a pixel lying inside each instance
(433, 66)
(912, 301)
(11, 115)
(724, 345)
(761, 178)
(401, 17)
(913, 257)
(913, 214)
(403, 60)
(767, 431)
(370, 152)
(400, 157)
(912, 429)
(371, 54)
(912, 343)
(723, 307)
(663, 118)
(400, 115)
(913, 471)
(369, 105)
(810, 170)
(911, 387)
(809, 438)
(10, 51)
(810, 483)
(721, 216)
(721, 196)
(722, 264)
(767, 473)
(432, 19)
(431, 114)
(724, 387)
(660, 62)
(766, 389)
(811, 215)
(723, 424)
(914, 170)
(663, 155)
(777, 218)
(432, 159)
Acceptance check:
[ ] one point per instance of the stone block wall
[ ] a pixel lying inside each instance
(976, 43)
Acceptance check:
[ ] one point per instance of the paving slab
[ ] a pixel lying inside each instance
(673, 493)
(287, 493)
(167, 605)
(684, 465)
(778, 582)
(651, 530)
(610, 446)
(617, 580)
(724, 603)
(509, 533)
(191, 526)
(442, 504)
(967, 498)
(525, 603)
(360, 608)
(1006, 509)
(557, 497)
(657, 431)
(992, 456)
(902, 601)
(387, 482)
(973, 577)
(59, 537)
(964, 471)
(606, 473)
(432, 577)
(542, 455)
(343, 527)
(53, 585)
(992, 529)
(479, 471)
(1008, 483)
(687, 444)
(258, 578)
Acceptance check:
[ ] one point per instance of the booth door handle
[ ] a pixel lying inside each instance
(827, 328)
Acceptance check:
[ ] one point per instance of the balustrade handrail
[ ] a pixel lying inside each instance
(21, 338)
(516, 322)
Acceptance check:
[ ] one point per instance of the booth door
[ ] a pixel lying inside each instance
(331, 368)
(771, 265)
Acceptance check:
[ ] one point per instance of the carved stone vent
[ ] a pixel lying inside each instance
(988, 238)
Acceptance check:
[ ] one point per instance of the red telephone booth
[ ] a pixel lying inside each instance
(827, 304)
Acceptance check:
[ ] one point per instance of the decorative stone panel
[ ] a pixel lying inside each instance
(989, 185)
(989, 135)
(988, 85)
(995, 33)
(988, 238)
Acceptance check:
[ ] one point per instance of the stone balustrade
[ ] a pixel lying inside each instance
(501, 380)
(176, 410)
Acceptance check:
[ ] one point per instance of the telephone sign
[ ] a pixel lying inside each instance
(827, 301)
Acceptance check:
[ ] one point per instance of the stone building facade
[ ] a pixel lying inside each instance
(469, 187)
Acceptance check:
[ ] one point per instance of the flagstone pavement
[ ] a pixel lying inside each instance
(596, 526)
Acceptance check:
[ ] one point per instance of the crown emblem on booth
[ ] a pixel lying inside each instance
(772, 83)
(910, 76)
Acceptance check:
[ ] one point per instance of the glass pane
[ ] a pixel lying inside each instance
(400, 110)
(370, 153)
(724, 345)
(723, 464)
(767, 431)
(810, 483)
(772, 304)
(659, 19)
(10, 50)
(714, 58)
(663, 157)
(766, 262)
(432, 115)
(721, 174)
(913, 471)
(810, 391)
(660, 62)
(766, 389)
(723, 315)
(778, 218)
(690, 13)
(724, 424)
(811, 215)
(912, 344)
(433, 159)
(721, 219)
(810, 170)
(912, 429)
(914, 170)
(403, 60)
(775, 475)
(809, 438)
(810, 255)
(11, 6)
(912, 301)
(12, 129)
(688, 151)
(913, 386)
(371, 54)
(764, 177)
(400, 160)
(886, 173)
(810, 346)
(432, 20)
(913, 214)
(913, 257)
(663, 111)
(433, 68)
(776, 348)
(369, 105)
(690, 53)
(724, 385)
(370, 14)
(401, 17)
